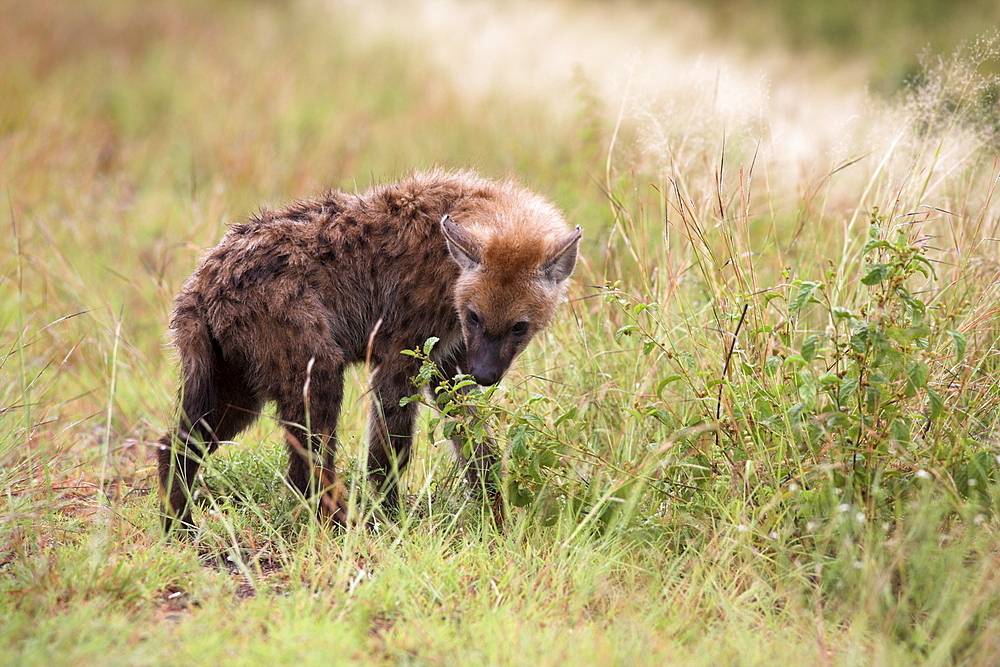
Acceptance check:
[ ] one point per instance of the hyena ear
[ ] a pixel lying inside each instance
(559, 265)
(461, 244)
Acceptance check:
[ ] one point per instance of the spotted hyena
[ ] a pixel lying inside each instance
(289, 299)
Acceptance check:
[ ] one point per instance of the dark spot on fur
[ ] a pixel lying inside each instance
(269, 268)
(274, 265)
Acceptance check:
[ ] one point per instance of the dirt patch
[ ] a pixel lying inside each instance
(266, 572)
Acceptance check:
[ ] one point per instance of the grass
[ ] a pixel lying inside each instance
(763, 430)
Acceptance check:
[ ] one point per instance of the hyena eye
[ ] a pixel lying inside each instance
(520, 328)
(473, 318)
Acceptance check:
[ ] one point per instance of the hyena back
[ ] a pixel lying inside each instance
(286, 301)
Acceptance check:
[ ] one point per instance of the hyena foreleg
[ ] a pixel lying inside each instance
(390, 431)
(310, 407)
(478, 455)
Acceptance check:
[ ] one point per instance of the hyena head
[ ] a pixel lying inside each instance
(513, 276)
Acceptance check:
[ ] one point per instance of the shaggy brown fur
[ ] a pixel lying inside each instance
(287, 300)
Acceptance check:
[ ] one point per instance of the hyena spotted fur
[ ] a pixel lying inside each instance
(287, 300)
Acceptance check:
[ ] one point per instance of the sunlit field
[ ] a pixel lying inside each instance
(763, 430)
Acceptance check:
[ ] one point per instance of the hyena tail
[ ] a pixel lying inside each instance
(215, 405)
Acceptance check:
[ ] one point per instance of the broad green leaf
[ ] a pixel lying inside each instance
(860, 339)
(841, 312)
(426, 372)
(829, 378)
(660, 415)
(937, 403)
(918, 331)
(808, 350)
(838, 421)
(925, 266)
(569, 414)
(876, 243)
(900, 431)
(519, 495)
(917, 373)
(429, 344)
(519, 446)
(802, 296)
(640, 307)
(626, 330)
(772, 365)
(876, 274)
(848, 385)
(547, 458)
(466, 381)
(898, 334)
(807, 388)
(664, 382)
(880, 342)
(794, 413)
(795, 360)
(406, 400)
(915, 305)
(451, 429)
(960, 344)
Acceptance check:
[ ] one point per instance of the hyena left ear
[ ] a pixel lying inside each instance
(559, 265)
(461, 244)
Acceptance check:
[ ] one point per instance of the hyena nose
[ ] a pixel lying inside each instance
(486, 379)
(488, 362)
(487, 375)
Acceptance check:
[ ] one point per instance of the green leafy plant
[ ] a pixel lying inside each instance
(845, 394)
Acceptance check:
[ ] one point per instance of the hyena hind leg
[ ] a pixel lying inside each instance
(209, 415)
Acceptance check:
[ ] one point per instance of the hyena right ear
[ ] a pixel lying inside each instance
(461, 244)
(562, 259)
